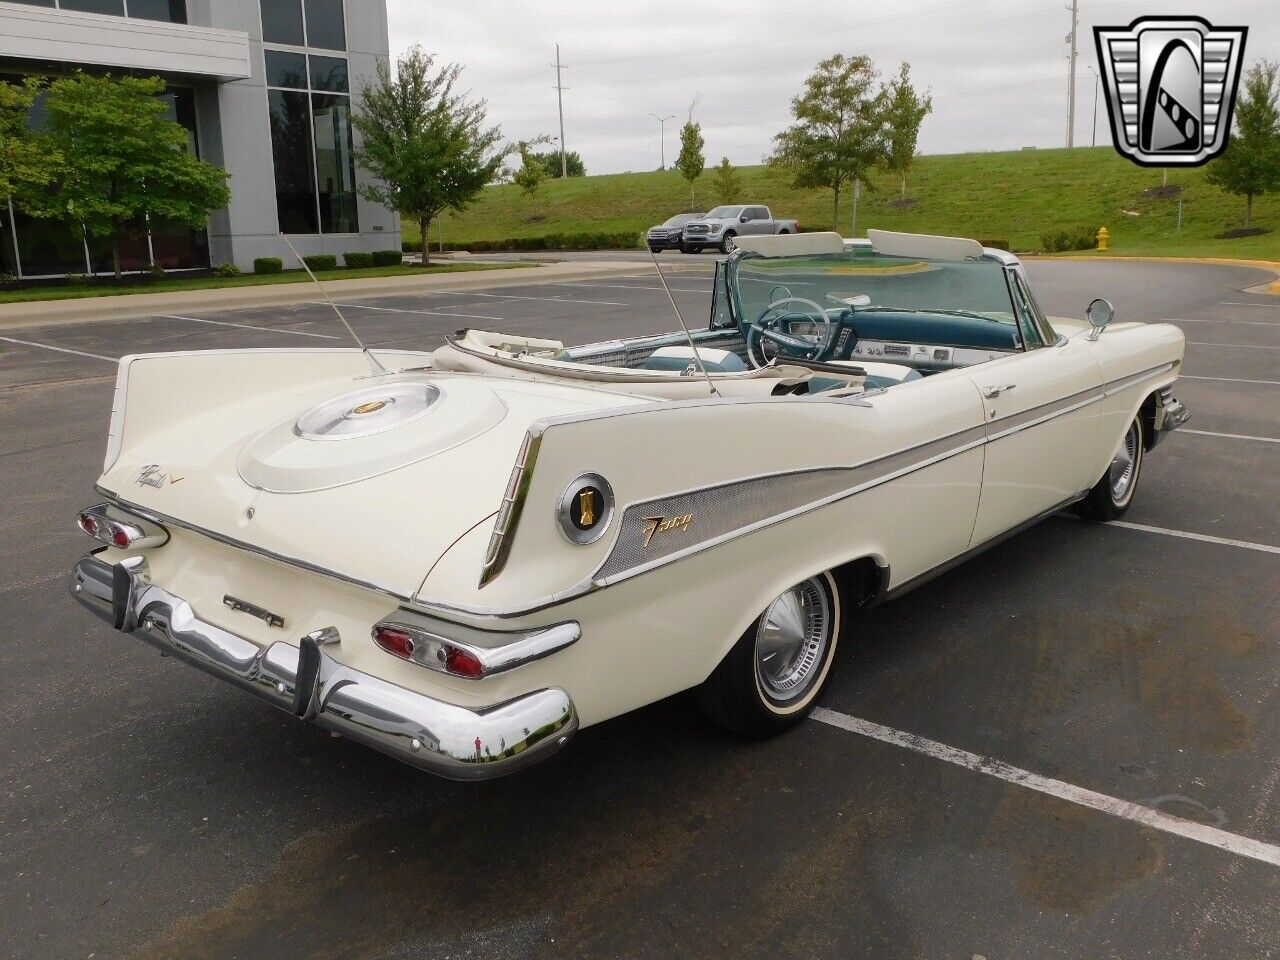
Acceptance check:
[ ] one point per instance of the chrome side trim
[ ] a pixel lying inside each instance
(496, 652)
(509, 513)
(461, 743)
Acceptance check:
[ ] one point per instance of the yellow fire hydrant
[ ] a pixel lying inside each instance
(1103, 236)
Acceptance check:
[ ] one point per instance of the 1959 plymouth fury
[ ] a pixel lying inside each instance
(459, 557)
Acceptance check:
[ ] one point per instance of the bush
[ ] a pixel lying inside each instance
(8, 280)
(321, 261)
(553, 241)
(411, 246)
(1077, 238)
(268, 265)
(156, 271)
(357, 260)
(227, 269)
(387, 258)
(999, 243)
(79, 279)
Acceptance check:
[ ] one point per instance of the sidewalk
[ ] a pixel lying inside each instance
(231, 298)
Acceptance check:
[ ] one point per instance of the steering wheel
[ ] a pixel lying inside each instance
(764, 327)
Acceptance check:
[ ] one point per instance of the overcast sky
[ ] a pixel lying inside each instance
(997, 68)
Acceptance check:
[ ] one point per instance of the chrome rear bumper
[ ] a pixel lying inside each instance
(461, 743)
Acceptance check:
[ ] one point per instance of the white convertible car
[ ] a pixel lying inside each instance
(460, 557)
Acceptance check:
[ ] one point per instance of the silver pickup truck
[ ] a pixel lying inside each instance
(719, 227)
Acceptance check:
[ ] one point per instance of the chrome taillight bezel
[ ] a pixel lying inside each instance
(120, 528)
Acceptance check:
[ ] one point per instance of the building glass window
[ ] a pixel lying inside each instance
(113, 8)
(335, 165)
(285, 69)
(282, 22)
(167, 11)
(328, 74)
(292, 152)
(312, 143)
(326, 27)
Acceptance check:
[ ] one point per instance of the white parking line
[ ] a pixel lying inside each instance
(1202, 537)
(45, 346)
(1187, 376)
(1242, 303)
(1229, 436)
(628, 286)
(430, 313)
(508, 296)
(1112, 806)
(249, 326)
(1247, 323)
(1243, 346)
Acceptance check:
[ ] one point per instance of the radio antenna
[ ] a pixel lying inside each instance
(378, 368)
(683, 326)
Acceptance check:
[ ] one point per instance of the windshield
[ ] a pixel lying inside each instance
(865, 281)
(680, 219)
(723, 213)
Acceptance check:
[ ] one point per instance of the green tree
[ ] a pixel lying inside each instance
(26, 163)
(906, 111)
(531, 172)
(841, 130)
(120, 158)
(426, 144)
(725, 182)
(550, 160)
(1250, 166)
(691, 161)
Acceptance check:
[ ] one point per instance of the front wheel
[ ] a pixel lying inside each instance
(1111, 496)
(727, 244)
(772, 677)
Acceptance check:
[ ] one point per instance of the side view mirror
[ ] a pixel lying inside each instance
(743, 219)
(1100, 313)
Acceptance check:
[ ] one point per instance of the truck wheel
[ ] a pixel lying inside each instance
(1111, 496)
(685, 248)
(726, 244)
(772, 677)
(783, 232)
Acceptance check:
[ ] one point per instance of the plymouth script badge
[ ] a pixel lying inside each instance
(152, 476)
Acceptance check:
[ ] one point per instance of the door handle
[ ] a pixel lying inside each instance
(992, 392)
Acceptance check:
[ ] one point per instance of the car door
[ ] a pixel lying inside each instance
(757, 220)
(1043, 419)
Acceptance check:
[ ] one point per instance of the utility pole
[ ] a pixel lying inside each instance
(1096, 79)
(564, 163)
(1071, 80)
(662, 137)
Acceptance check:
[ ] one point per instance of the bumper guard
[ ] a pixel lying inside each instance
(460, 743)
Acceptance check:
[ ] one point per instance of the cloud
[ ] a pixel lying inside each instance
(997, 68)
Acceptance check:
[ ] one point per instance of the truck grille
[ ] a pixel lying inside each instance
(696, 228)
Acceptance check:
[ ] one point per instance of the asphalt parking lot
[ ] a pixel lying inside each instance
(1067, 747)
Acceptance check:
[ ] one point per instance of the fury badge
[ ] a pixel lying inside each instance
(1170, 87)
(656, 525)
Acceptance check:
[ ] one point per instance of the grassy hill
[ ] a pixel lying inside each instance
(1016, 196)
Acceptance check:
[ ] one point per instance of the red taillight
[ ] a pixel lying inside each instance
(461, 663)
(394, 641)
(88, 523)
(120, 536)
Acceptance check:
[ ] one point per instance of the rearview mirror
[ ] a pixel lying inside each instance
(1100, 313)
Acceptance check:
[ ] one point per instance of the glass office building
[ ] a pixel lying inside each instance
(264, 90)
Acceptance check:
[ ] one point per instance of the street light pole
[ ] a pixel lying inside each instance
(1096, 80)
(662, 137)
(1071, 79)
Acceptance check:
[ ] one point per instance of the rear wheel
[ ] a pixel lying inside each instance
(1111, 496)
(772, 677)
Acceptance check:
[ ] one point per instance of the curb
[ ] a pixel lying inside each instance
(132, 306)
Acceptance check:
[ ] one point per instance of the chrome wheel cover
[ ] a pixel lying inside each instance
(1124, 467)
(792, 639)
